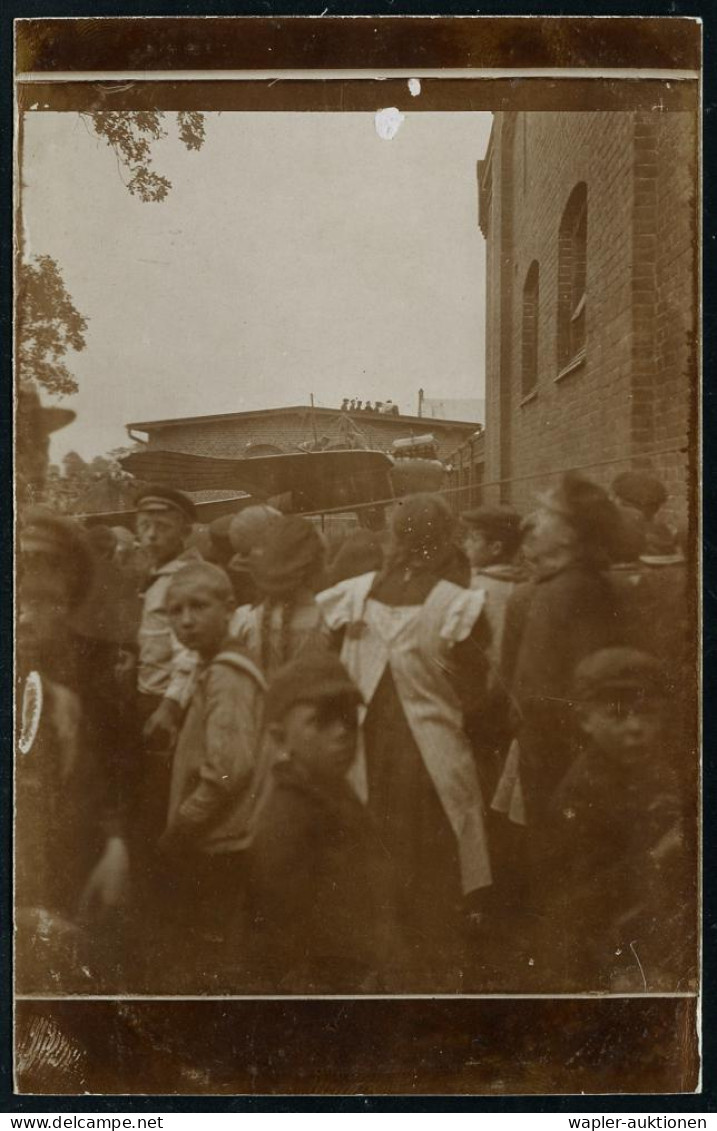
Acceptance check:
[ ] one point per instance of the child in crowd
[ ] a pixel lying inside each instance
(247, 533)
(321, 893)
(213, 773)
(615, 867)
(492, 539)
(288, 572)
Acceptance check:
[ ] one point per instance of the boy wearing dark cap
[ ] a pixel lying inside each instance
(212, 774)
(619, 884)
(321, 904)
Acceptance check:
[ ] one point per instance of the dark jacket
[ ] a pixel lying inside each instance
(60, 801)
(89, 668)
(320, 890)
(562, 618)
(615, 874)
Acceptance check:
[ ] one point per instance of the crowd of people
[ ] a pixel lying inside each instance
(384, 408)
(453, 756)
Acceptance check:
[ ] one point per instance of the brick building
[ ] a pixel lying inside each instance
(590, 226)
(277, 430)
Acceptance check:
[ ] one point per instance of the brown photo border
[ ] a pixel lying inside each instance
(546, 1046)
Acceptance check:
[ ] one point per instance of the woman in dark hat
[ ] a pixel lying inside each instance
(569, 610)
(287, 572)
(409, 631)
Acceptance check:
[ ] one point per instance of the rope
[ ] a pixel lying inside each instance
(479, 486)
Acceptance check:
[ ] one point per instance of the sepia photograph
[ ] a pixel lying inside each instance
(357, 504)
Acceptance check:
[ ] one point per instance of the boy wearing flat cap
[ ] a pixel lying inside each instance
(321, 906)
(616, 863)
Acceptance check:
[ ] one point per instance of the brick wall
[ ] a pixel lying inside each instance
(676, 375)
(464, 481)
(631, 392)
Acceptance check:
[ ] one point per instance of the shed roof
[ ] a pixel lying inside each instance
(374, 417)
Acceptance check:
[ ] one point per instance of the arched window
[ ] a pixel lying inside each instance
(572, 273)
(531, 308)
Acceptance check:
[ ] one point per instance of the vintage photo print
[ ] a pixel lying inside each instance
(357, 485)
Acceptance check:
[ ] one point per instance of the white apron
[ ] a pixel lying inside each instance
(416, 642)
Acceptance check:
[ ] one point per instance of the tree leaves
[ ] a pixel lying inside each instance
(47, 322)
(47, 325)
(81, 486)
(131, 134)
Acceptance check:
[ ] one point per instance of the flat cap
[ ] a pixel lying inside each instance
(314, 676)
(157, 498)
(618, 669)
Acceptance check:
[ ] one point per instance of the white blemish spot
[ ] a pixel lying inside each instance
(388, 122)
(414, 85)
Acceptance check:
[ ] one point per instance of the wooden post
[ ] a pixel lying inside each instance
(313, 420)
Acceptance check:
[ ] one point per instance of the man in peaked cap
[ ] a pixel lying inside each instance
(165, 669)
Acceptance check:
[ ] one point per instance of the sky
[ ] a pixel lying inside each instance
(295, 254)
